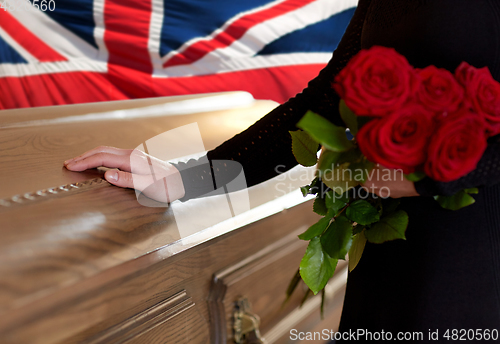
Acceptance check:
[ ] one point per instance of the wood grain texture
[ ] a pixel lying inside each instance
(62, 240)
(86, 266)
(96, 303)
(41, 151)
(152, 323)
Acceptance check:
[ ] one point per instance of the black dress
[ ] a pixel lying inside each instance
(446, 275)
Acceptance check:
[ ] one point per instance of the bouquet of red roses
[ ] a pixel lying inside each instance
(422, 122)
(425, 120)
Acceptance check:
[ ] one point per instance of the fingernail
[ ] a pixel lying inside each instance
(67, 161)
(113, 175)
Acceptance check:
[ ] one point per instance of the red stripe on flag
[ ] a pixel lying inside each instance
(276, 83)
(233, 32)
(127, 33)
(31, 43)
(56, 89)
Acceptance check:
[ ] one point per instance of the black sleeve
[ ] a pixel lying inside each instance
(264, 149)
(487, 173)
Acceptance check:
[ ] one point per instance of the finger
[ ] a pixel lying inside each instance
(383, 192)
(100, 149)
(101, 159)
(97, 150)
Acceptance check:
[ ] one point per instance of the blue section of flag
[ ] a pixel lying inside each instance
(8, 54)
(76, 16)
(184, 20)
(319, 37)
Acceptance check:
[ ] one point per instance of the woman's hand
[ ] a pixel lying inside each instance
(386, 182)
(155, 178)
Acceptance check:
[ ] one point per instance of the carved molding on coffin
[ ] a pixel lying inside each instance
(51, 193)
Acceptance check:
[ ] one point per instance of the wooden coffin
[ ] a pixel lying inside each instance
(82, 261)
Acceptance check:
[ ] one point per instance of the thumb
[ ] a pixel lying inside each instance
(135, 181)
(119, 178)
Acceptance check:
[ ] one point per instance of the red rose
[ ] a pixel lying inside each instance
(399, 140)
(456, 147)
(464, 73)
(484, 94)
(376, 82)
(439, 91)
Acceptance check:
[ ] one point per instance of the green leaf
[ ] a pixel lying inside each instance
(316, 267)
(327, 161)
(350, 119)
(357, 229)
(359, 164)
(415, 176)
(331, 214)
(390, 227)
(326, 133)
(350, 169)
(352, 155)
(335, 202)
(304, 190)
(362, 212)
(311, 189)
(361, 169)
(304, 148)
(315, 230)
(472, 191)
(340, 179)
(390, 205)
(319, 206)
(344, 197)
(458, 201)
(357, 247)
(337, 239)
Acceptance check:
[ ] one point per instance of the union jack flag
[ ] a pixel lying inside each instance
(77, 51)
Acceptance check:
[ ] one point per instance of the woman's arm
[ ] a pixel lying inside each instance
(262, 147)
(267, 144)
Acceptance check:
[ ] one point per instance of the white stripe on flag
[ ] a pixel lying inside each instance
(20, 50)
(98, 11)
(216, 65)
(75, 65)
(55, 35)
(155, 34)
